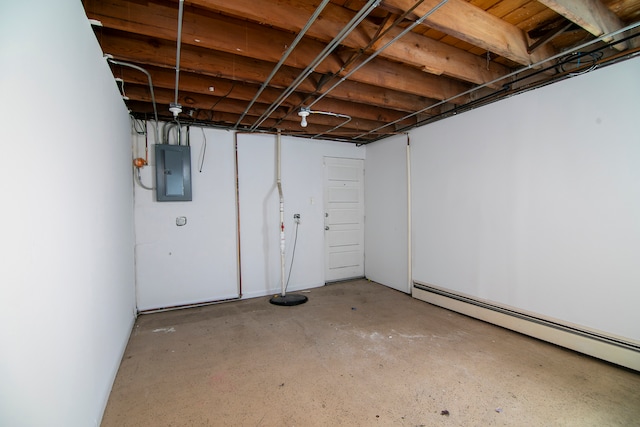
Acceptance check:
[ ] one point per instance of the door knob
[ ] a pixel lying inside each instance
(326, 227)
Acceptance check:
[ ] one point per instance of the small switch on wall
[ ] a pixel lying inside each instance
(181, 220)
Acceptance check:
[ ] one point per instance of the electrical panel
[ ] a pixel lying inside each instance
(173, 173)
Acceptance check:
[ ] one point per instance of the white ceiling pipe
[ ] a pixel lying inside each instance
(352, 25)
(324, 113)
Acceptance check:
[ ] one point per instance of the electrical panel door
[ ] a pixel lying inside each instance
(173, 173)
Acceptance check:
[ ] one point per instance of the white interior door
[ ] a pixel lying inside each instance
(344, 218)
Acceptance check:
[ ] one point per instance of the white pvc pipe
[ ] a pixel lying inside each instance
(282, 245)
(409, 244)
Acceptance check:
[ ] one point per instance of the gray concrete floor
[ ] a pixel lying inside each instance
(357, 354)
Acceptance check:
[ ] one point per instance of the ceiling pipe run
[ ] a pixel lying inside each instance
(142, 70)
(379, 51)
(352, 25)
(507, 76)
(328, 77)
(301, 34)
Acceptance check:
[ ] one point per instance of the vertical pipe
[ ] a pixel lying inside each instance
(239, 260)
(282, 246)
(153, 96)
(409, 243)
(179, 43)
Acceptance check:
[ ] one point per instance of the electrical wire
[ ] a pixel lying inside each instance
(167, 130)
(134, 125)
(203, 150)
(293, 255)
(367, 60)
(575, 65)
(139, 180)
(507, 76)
(210, 112)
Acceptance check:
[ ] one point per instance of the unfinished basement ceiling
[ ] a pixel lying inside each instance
(405, 63)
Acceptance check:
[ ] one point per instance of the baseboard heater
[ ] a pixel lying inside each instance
(593, 343)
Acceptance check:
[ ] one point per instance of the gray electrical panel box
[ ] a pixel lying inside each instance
(173, 173)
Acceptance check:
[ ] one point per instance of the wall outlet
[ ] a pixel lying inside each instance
(296, 218)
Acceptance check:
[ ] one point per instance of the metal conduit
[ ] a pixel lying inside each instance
(379, 51)
(153, 97)
(355, 57)
(359, 17)
(301, 34)
(176, 108)
(528, 67)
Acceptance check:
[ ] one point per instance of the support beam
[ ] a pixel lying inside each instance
(198, 60)
(233, 108)
(198, 84)
(591, 15)
(471, 24)
(430, 55)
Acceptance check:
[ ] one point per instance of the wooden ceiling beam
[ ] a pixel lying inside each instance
(161, 53)
(165, 78)
(473, 25)
(384, 104)
(222, 35)
(128, 49)
(422, 52)
(222, 118)
(592, 15)
(155, 52)
(203, 103)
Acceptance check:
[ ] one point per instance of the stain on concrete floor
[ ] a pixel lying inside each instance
(391, 361)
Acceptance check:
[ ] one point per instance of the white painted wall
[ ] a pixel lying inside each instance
(194, 263)
(66, 271)
(386, 213)
(302, 182)
(534, 201)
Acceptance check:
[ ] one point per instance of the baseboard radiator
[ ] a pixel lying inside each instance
(593, 343)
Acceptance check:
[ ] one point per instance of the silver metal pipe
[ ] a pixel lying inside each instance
(512, 74)
(179, 44)
(361, 51)
(153, 97)
(359, 17)
(379, 51)
(301, 34)
(138, 179)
